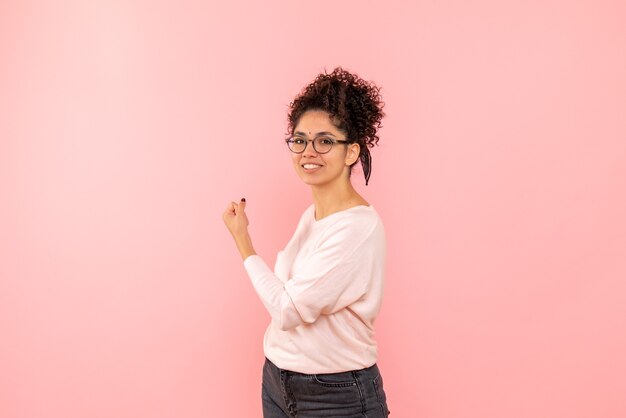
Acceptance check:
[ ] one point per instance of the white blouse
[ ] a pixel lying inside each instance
(324, 293)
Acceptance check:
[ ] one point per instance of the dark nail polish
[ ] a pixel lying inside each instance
(243, 199)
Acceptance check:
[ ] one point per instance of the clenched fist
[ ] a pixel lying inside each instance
(237, 223)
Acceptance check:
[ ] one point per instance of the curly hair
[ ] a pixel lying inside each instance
(354, 105)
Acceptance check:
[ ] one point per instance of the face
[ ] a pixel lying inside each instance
(317, 169)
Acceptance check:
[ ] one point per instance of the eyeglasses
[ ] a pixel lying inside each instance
(321, 144)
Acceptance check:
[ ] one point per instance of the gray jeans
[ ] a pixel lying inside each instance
(355, 394)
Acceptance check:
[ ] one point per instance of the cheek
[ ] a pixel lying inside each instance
(295, 161)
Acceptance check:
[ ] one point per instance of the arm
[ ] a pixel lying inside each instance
(244, 245)
(268, 286)
(271, 291)
(336, 275)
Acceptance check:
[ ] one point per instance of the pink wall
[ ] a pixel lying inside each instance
(127, 126)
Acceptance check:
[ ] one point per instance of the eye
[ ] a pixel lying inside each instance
(325, 141)
(298, 141)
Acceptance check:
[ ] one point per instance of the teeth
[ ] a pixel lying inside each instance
(310, 166)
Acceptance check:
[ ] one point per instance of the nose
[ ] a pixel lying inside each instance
(309, 150)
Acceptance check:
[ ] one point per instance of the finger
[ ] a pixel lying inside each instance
(231, 208)
(242, 204)
(239, 207)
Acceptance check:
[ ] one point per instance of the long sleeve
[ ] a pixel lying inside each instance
(334, 276)
(272, 293)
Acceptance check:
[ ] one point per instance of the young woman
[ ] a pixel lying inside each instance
(327, 285)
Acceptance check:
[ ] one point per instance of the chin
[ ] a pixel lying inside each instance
(311, 182)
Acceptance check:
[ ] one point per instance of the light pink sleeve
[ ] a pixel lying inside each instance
(272, 292)
(335, 276)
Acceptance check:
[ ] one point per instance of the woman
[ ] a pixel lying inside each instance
(327, 285)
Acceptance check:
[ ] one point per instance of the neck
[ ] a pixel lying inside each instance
(332, 198)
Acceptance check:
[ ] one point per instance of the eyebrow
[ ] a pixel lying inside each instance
(318, 134)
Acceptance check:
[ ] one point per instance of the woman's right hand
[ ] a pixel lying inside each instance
(237, 223)
(235, 218)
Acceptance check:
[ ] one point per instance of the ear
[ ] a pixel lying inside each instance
(352, 153)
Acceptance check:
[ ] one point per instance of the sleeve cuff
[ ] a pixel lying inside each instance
(256, 266)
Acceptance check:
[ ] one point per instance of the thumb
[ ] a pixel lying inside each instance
(242, 205)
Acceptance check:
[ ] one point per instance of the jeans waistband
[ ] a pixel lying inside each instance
(371, 369)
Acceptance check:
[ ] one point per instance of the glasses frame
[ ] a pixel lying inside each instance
(289, 141)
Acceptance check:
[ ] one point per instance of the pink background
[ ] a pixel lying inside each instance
(127, 126)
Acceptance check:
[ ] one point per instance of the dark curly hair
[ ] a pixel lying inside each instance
(354, 105)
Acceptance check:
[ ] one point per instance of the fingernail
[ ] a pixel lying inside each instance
(243, 199)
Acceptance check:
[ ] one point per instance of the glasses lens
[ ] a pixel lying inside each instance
(323, 144)
(296, 144)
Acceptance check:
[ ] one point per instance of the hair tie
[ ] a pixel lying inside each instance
(366, 163)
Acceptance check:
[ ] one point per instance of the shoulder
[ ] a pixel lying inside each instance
(362, 215)
(354, 224)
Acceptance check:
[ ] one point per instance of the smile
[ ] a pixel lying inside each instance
(311, 166)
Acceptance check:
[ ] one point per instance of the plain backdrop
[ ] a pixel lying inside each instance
(126, 127)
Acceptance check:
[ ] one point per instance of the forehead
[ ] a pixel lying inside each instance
(313, 121)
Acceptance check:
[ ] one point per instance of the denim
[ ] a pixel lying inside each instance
(352, 394)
